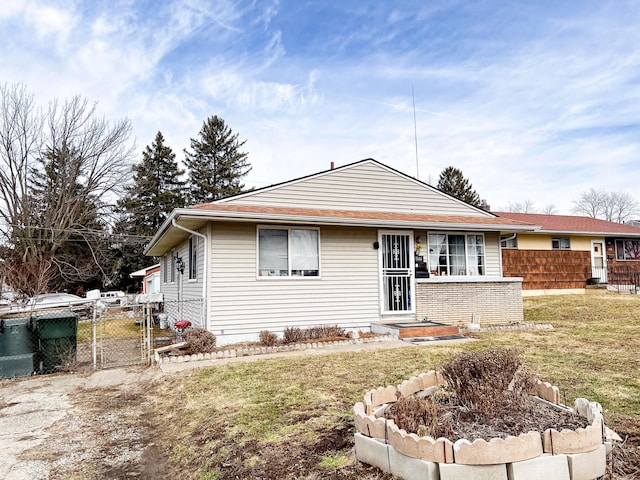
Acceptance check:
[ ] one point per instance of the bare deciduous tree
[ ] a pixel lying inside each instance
(60, 170)
(526, 206)
(612, 206)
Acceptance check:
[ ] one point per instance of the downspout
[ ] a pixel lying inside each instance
(205, 268)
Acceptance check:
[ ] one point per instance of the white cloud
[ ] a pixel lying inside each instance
(535, 102)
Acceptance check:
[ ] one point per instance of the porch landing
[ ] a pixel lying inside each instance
(415, 330)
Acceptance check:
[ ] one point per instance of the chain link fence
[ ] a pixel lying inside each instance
(90, 336)
(190, 310)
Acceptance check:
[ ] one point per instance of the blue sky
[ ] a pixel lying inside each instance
(533, 101)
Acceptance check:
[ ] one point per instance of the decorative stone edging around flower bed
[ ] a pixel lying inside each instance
(257, 350)
(553, 455)
(506, 327)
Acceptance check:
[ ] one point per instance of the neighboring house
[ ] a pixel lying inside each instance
(568, 252)
(350, 246)
(150, 278)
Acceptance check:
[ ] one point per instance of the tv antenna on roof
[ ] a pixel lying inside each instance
(415, 130)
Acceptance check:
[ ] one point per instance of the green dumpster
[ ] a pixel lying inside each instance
(16, 336)
(57, 341)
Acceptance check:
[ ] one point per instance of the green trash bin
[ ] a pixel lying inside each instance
(57, 341)
(16, 337)
(17, 365)
(17, 347)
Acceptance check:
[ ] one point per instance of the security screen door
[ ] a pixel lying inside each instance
(396, 250)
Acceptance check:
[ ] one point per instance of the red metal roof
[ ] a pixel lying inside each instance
(572, 224)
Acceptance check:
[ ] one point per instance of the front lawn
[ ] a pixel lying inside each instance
(292, 418)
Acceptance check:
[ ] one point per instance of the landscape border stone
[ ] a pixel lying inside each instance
(577, 454)
(260, 350)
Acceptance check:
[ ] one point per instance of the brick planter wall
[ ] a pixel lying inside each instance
(551, 455)
(456, 301)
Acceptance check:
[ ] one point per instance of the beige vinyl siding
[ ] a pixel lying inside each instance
(346, 293)
(190, 289)
(365, 187)
(492, 254)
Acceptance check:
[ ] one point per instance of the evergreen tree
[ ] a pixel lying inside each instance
(215, 163)
(452, 181)
(156, 190)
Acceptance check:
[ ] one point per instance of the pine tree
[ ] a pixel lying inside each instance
(156, 190)
(215, 163)
(452, 181)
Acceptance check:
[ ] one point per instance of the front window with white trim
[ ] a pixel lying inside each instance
(456, 254)
(288, 252)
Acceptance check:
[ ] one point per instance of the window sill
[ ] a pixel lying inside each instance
(467, 279)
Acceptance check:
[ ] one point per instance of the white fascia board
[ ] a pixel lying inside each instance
(356, 222)
(338, 221)
(166, 225)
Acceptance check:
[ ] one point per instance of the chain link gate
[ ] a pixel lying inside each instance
(123, 335)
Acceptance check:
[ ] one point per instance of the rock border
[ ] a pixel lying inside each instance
(259, 350)
(380, 442)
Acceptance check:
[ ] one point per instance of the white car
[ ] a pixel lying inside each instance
(118, 297)
(48, 301)
(114, 297)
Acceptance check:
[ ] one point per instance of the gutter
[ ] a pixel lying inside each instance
(351, 221)
(205, 268)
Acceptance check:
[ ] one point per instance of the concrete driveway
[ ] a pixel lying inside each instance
(40, 411)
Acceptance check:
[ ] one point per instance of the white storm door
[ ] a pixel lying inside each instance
(396, 252)
(598, 261)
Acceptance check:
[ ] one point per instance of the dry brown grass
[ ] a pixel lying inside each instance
(291, 418)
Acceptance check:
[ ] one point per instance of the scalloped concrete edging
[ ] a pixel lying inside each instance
(258, 350)
(554, 455)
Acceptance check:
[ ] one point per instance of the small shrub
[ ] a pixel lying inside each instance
(327, 331)
(199, 340)
(293, 335)
(481, 379)
(297, 335)
(268, 339)
(421, 415)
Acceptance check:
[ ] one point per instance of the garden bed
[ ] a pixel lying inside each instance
(440, 425)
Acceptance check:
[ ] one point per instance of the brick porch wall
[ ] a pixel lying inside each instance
(453, 302)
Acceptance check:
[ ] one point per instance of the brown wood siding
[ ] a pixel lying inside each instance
(620, 268)
(547, 269)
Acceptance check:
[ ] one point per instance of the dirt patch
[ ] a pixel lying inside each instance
(297, 456)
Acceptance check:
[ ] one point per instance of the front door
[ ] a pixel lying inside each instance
(396, 251)
(598, 261)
